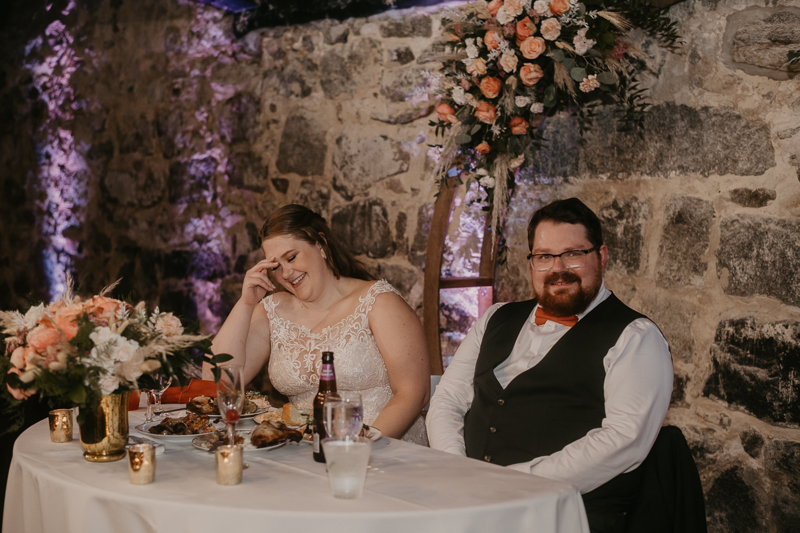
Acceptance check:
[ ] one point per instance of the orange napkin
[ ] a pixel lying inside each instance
(196, 387)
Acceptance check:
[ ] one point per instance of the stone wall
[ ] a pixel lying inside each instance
(142, 140)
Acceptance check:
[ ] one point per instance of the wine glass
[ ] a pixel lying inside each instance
(162, 384)
(230, 396)
(344, 414)
(148, 404)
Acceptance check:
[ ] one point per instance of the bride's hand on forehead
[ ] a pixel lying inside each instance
(257, 283)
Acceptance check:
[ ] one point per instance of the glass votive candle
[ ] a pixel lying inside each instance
(230, 463)
(142, 463)
(61, 425)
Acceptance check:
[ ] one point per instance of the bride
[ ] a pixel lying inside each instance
(328, 302)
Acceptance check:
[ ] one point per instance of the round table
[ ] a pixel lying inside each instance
(51, 488)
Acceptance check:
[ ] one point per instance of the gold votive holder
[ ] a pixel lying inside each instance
(61, 425)
(142, 463)
(230, 463)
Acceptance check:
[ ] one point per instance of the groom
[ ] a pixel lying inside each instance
(572, 385)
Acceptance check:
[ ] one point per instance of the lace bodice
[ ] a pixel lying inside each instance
(296, 357)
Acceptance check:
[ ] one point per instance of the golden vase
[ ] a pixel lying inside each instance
(104, 433)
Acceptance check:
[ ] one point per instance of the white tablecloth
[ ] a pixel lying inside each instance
(51, 488)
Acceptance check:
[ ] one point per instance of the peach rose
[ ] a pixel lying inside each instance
(532, 47)
(170, 325)
(490, 87)
(104, 307)
(494, 6)
(19, 357)
(530, 74)
(486, 113)
(491, 39)
(19, 394)
(41, 337)
(558, 7)
(525, 29)
(483, 148)
(514, 7)
(446, 113)
(518, 126)
(66, 319)
(476, 67)
(550, 29)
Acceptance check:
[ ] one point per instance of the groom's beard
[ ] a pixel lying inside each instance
(566, 301)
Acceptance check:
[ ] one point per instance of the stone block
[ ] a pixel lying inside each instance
(281, 185)
(336, 34)
(238, 119)
(136, 139)
(754, 368)
(246, 171)
(168, 128)
(782, 466)
(143, 189)
(752, 197)
(419, 247)
(359, 162)
(315, 196)
(674, 316)
(752, 442)
(354, 65)
(302, 148)
(733, 504)
(402, 55)
(758, 40)
(363, 227)
(623, 222)
(432, 53)
(296, 79)
(402, 278)
(400, 85)
(684, 242)
(704, 445)
(192, 181)
(415, 26)
(762, 256)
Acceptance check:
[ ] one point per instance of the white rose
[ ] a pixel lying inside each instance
(472, 50)
(109, 384)
(537, 108)
(487, 181)
(508, 61)
(459, 96)
(169, 325)
(102, 335)
(522, 101)
(514, 7)
(550, 29)
(542, 7)
(125, 350)
(503, 16)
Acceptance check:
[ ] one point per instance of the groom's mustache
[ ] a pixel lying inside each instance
(555, 277)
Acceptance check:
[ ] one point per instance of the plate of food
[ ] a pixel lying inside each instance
(179, 428)
(207, 405)
(210, 441)
(372, 433)
(288, 414)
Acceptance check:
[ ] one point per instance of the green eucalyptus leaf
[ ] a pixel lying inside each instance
(607, 78)
(558, 55)
(569, 63)
(475, 129)
(549, 97)
(608, 39)
(463, 139)
(594, 52)
(77, 394)
(578, 74)
(581, 10)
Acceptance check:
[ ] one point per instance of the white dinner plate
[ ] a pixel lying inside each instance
(203, 442)
(143, 428)
(248, 415)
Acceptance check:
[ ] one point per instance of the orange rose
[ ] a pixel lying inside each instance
(104, 307)
(491, 40)
(532, 47)
(558, 7)
(66, 319)
(518, 125)
(530, 74)
(525, 29)
(490, 87)
(494, 6)
(483, 148)
(446, 113)
(41, 337)
(19, 394)
(486, 113)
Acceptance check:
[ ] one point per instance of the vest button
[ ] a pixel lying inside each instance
(493, 430)
(487, 458)
(501, 401)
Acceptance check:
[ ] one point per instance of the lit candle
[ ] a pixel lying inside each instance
(229, 465)
(142, 463)
(61, 425)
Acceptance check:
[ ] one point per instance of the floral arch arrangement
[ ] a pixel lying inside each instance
(511, 63)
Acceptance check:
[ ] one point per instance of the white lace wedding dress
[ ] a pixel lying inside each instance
(296, 359)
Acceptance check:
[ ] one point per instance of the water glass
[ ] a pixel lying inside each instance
(343, 414)
(163, 383)
(347, 460)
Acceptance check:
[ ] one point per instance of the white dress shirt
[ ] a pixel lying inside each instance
(637, 389)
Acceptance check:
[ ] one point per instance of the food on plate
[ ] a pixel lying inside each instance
(273, 432)
(266, 417)
(292, 416)
(191, 424)
(206, 405)
(210, 440)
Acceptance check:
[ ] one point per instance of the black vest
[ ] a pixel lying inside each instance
(556, 402)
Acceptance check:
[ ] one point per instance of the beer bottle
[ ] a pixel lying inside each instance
(327, 383)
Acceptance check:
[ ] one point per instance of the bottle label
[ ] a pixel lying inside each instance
(327, 373)
(316, 442)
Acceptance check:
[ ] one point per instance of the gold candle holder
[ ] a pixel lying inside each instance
(142, 463)
(61, 425)
(230, 463)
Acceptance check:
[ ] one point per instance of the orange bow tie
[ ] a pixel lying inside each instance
(542, 316)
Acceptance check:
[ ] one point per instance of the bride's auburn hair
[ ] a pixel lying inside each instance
(302, 223)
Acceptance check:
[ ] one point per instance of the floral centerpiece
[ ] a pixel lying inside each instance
(510, 63)
(75, 351)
